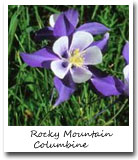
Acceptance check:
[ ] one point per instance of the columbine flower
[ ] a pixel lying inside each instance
(69, 62)
(107, 85)
(76, 57)
(72, 53)
(65, 24)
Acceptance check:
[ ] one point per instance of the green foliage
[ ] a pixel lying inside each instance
(30, 89)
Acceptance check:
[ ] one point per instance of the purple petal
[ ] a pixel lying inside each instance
(64, 90)
(120, 86)
(126, 52)
(105, 86)
(44, 33)
(63, 27)
(39, 58)
(94, 28)
(72, 16)
(102, 44)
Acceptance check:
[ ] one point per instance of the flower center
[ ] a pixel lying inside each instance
(76, 58)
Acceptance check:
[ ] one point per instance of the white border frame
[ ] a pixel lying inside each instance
(17, 139)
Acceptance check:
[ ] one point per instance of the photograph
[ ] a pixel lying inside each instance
(68, 65)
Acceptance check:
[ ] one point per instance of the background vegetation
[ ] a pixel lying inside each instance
(30, 89)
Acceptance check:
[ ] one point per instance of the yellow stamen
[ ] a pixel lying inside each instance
(76, 58)
(76, 52)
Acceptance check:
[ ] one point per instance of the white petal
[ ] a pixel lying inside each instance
(58, 68)
(61, 45)
(81, 40)
(92, 56)
(126, 73)
(80, 74)
(53, 19)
